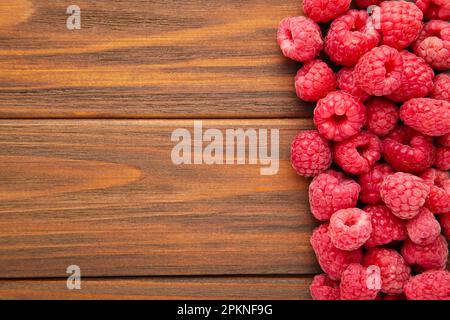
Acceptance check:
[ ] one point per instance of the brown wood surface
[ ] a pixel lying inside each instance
(196, 288)
(146, 59)
(106, 196)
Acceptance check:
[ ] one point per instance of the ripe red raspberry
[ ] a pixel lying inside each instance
(400, 23)
(444, 140)
(339, 116)
(355, 284)
(417, 78)
(433, 44)
(379, 71)
(346, 82)
(444, 219)
(408, 150)
(441, 89)
(430, 285)
(385, 226)
(332, 260)
(428, 116)
(438, 200)
(349, 228)
(358, 154)
(424, 228)
(404, 194)
(367, 3)
(442, 158)
(350, 37)
(331, 191)
(324, 288)
(435, 9)
(435, 177)
(370, 182)
(314, 81)
(299, 38)
(310, 153)
(429, 257)
(394, 270)
(382, 116)
(325, 10)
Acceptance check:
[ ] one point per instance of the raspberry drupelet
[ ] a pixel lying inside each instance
(350, 37)
(379, 71)
(339, 116)
(314, 81)
(299, 38)
(331, 191)
(358, 154)
(310, 153)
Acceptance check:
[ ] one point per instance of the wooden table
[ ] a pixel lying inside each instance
(86, 176)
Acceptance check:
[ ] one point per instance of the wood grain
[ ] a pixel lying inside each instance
(191, 288)
(146, 59)
(106, 196)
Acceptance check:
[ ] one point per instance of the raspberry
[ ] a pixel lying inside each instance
(382, 116)
(429, 116)
(394, 270)
(429, 257)
(324, 288)
(325, 10)
(444, 140)
(349, 37)
(310, 153)
(332, 260)
(435, 9)
(346, 82)
(394, 297)
(442, 158)
(339, 116)
(355, 284)
(349, 228)
(444, 219)
(299, 38)
(379, 71)
(407, 150)
(370, 182)
(417, 78)
(430, 285)
(367, 3)
(358, 154)
(330, 192)
(314, 81)
(438, 200)
(433, 44)
(404, 194)
(400, 23)
(424, 228)
(441, 89)
(385, 226)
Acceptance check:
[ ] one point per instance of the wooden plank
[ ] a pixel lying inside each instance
(106, 196)
(146, 59)
(196, 288)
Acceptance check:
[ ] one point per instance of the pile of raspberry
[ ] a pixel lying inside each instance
(380, 154)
